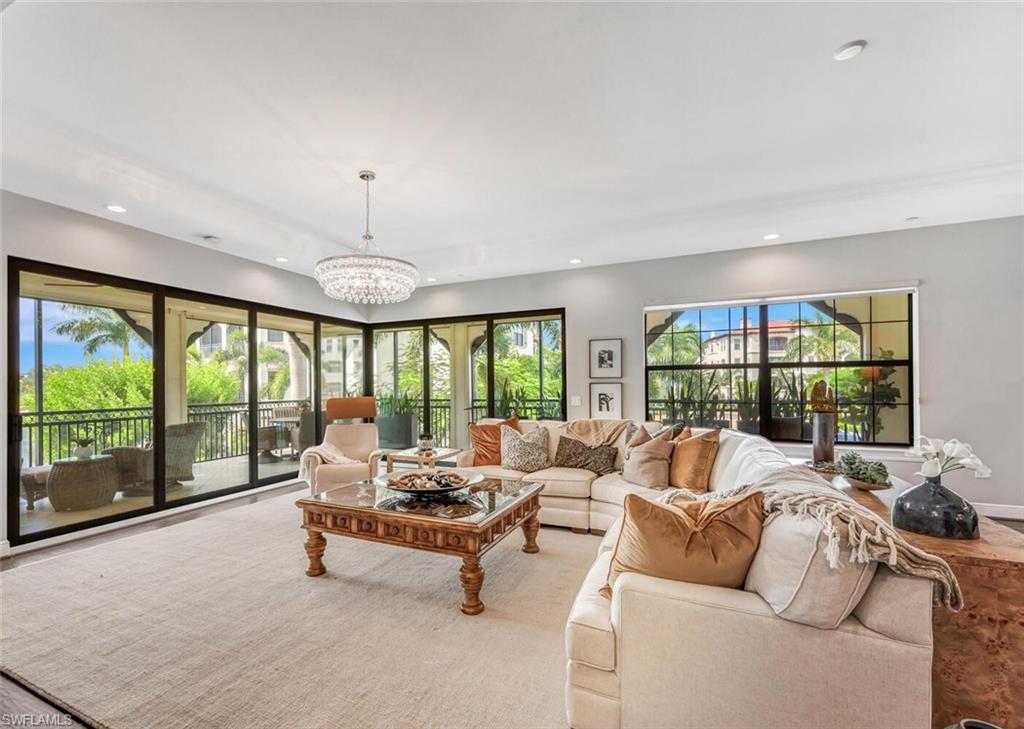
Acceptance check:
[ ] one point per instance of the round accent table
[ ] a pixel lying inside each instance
(76, 484)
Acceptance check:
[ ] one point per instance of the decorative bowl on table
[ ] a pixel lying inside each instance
(429, 481)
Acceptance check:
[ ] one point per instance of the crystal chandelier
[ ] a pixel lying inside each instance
(367, 276)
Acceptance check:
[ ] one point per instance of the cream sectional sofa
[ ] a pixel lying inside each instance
(572, 497)
(802, 645)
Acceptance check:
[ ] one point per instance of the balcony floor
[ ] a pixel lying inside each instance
(209, 476)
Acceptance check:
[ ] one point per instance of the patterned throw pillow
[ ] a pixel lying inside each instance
(574, 453)
(524, 452)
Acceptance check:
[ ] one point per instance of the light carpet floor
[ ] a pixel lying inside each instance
(213, 623)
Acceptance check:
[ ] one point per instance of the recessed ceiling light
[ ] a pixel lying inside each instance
(431, 280)
(849, 50)
(575, 260)
(772, 236)
(281, 259)
(117, 208)
(912, 218)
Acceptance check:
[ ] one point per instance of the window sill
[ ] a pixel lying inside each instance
(892, 454)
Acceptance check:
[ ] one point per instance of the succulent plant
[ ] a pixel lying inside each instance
(851, 464)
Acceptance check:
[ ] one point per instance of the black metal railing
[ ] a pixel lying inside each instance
(48, 436)
(786, 425)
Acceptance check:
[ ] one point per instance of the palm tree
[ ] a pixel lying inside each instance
(96, 327)
(815, 343)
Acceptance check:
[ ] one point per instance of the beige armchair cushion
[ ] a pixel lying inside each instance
(355, 440)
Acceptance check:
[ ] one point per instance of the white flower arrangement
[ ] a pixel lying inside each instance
(942, 456)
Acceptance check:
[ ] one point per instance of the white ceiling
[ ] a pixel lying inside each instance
(511, 138)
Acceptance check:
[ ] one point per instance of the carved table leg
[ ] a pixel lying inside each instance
(315, 546)
(472, 579)
(530, 528)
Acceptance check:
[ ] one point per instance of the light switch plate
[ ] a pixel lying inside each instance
(576, 401)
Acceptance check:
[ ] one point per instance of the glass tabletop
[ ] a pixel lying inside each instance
(472, 505)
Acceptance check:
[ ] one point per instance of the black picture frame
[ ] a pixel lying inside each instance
(614, 389)
(605, 356)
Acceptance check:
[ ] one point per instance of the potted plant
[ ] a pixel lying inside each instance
(397, 420)
(83, 449)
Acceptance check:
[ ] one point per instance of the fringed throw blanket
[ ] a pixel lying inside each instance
(320, 454)
(799, 491)
(595, 433)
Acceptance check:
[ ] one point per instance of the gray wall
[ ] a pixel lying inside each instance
(971, 325)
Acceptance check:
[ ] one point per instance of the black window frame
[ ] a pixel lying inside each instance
(765, 366)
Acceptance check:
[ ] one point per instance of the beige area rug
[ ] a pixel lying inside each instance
(213, 623)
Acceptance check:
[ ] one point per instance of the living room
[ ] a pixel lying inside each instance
(670, 323)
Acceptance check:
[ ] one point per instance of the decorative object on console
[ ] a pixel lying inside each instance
(487, 441)
(425, 443)
(573, 453)
(605, 358)
(704, 542)
(367, 276)
(823, 427)
(524, 452)
(865, 475)
(931, 508)
(693, 457)
(606, 400)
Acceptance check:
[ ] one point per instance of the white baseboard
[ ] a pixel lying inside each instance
(1000, 511)
(5, 548)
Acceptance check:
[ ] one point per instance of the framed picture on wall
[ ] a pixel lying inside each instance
(606, 400)
(605, 358)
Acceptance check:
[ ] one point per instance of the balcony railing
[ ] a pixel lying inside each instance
(49, 435)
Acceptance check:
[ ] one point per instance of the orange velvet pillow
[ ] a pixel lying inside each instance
(693, 459)
(704, 542)
(487, 441)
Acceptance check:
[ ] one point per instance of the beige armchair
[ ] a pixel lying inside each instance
(357, 441)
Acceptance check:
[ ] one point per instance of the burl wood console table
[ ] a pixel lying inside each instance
(978, 658)
(467, 523)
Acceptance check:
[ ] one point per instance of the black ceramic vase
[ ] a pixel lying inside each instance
(930, 508)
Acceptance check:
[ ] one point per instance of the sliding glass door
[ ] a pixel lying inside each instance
(129, 397)
(83, 429)
(398, 385)
(286, 421)
(206, 401)
(341, 364)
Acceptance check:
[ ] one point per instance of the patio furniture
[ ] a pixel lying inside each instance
(135, 464)
(266, 441)
(302, 435)
(78, 484)
(33, 483)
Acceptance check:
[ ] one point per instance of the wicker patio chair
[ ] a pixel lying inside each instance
(135, 464)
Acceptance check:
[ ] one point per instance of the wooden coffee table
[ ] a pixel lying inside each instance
(465, 524)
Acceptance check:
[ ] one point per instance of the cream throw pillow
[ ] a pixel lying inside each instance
(647, 463)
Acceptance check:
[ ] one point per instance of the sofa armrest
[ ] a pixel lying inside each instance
(465, 459)
(698, 656)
